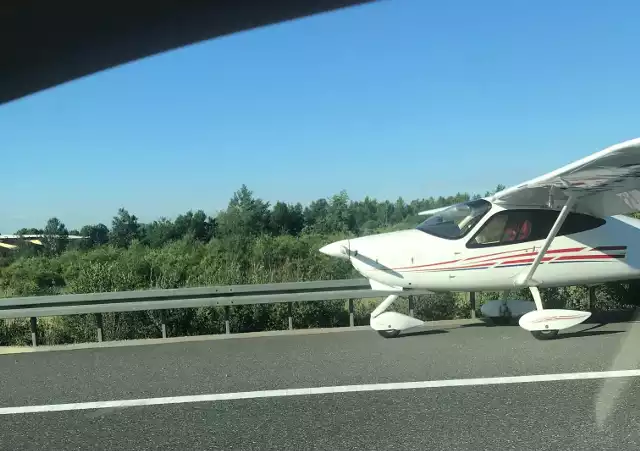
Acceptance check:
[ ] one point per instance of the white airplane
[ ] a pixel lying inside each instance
(561, 229)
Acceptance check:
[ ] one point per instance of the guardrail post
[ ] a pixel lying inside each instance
(591, 300)
(472, 302)
(163, 323)
(226, 320)
(351, 318)
(99, 325)
(290, 313)
(34, 331)
(411, 305)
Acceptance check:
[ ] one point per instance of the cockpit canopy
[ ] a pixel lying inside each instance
(457, 220)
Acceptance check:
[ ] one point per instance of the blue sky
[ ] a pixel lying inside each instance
(398, 98)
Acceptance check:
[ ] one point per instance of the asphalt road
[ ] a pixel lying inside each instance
(580, 414)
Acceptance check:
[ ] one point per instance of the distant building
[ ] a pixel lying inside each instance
(14, 241)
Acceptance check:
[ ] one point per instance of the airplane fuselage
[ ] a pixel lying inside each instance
(558, 229)
(607, 250)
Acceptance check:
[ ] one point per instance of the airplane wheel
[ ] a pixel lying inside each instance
(544, 334)
(393, 333)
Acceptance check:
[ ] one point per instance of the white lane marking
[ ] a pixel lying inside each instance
(319, 391)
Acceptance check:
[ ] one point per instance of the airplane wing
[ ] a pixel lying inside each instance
(433, 211)
(606, 183)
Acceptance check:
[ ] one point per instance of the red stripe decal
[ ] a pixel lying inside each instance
(495, 253)
(477, 265)
(525, 260)
(527, 254)
(427, 265)
(561, 251)
(552, 318)
(489, 259)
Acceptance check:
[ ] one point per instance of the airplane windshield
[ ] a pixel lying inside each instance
(456, 221)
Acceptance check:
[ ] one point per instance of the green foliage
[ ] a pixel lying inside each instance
(249, 242)
(124, 229)
(97, 235)
(55, 234)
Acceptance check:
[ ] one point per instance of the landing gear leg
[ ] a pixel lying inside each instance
(386, 333)
(390, 324)
(541, 334)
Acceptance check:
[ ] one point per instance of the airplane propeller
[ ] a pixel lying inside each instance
(339, 249)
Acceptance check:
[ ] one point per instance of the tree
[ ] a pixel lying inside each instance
(124, 229)
(30, 231)
(340, 216)
(245, 216)
(158, 233)
(55, 237)
(287, 219)
(197, 224)
(316, 214)
(97, 235)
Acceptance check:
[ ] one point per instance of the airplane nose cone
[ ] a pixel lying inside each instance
(337, 249)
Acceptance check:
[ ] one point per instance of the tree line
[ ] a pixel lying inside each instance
(251, 241)
(249, 216)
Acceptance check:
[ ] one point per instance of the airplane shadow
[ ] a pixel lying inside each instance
(484, 323)
(595, 326)
(423, 332)
(562, 335)
(612, 316)
(598, 317)
(586, 333)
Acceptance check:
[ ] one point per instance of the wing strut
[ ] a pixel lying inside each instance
(545, 324)
(525, 278)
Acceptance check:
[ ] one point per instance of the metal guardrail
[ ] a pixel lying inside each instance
(218, 296)
(226, 295)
